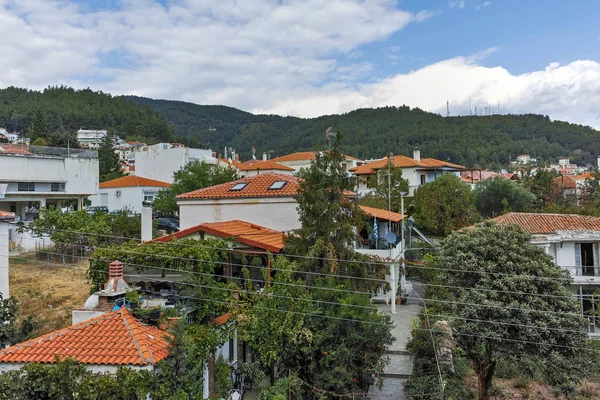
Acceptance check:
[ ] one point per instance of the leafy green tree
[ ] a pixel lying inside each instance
(193, 176)
(510, 300)
(109, 161)
(498, 195)
(10, 333)
(444, 205)
(541, 184)
(39, 126)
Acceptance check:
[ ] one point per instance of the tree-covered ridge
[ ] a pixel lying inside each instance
(474, 141)
(60, 111)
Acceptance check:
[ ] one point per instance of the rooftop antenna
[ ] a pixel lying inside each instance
(476, 110)
(253, 152)
(329, 136)
(470, 111)
(498, 107)
(447, 108)
(209, 131)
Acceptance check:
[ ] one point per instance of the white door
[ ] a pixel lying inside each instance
(104, 199)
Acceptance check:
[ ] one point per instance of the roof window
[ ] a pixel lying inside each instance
(277, 185)
(238, 186)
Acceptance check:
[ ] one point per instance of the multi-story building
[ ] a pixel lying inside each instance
(33, 177)
(90, 139)
(161, 160)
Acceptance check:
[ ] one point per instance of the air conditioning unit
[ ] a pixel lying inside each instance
(117, 193)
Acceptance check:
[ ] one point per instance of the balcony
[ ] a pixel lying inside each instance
(379, 248)
(583, 274)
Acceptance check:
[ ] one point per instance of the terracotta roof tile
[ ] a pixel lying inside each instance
(264, 165)
(240, 231)
(402, 162)
(133, 181)
(115, 338)
(535, 223)
(222, 319)
(382, 214)
(257, 186)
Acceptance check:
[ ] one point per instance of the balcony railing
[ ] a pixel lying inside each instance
(583, 271)
(46, 151)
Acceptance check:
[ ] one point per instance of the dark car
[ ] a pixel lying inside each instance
(168, 224)
(96, 209)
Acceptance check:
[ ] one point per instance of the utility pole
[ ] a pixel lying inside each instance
(447, 108)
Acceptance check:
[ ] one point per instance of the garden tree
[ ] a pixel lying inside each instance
(541, 184)
(39, 126)
(10, 332)
(498, 196)
(510, 300)
(329, 220)
(71, 232)
(398, 185)
(444, 205)
(193, 176)
(109, 161)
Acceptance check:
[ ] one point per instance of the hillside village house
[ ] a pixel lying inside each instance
(161, 160)
(35, 177)
(127, 192)
(573, 242)
(262, 167)
(303, 159)
(572, 185)
(417, 171)
(90, 139)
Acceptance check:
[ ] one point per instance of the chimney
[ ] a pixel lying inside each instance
(237, 157)
(265, 157)
(417, 154)
(116, 282)
(146, 222)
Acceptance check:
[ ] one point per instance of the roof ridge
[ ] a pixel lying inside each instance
(140, 343)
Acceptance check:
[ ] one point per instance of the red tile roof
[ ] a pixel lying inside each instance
(305, 156)
(222, 319)
(233, 163)
(133, 181)
(115, 338)
(565, 182)
(550, 223)
(402, 162)
(381, 214)
(264, 165)
(240, 231)
(13, 149)
(258, 186)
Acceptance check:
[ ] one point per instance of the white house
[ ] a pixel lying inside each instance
(5, 218)
(161, 160)
(265, 199)
(573, 242)
(36, 177)
(127, 192)
(417, 171)
(90, 139)
(303, 159)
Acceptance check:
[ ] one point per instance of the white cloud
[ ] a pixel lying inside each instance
(297, 57)
(570, 92)
(484, 4)
(456, 3)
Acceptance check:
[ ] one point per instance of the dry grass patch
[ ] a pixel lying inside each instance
(48, 293)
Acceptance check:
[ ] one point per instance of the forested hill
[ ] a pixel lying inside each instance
(482, 141)
(56, 113)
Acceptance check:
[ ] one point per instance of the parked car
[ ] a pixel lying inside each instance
(96, 209)
(168, 224)
(127, 212)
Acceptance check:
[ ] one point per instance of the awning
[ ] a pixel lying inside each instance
(382, 214)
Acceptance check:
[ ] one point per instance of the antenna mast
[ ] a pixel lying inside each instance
(447, 108)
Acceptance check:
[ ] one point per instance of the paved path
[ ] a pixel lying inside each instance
(401, 363)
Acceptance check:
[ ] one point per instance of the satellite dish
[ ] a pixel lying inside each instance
(390, 237)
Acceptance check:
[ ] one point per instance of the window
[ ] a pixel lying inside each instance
(231, 350)
(57, 187)
(148, 197)
(423, 179)
(238, 186)
(26, 187)
(277, 185)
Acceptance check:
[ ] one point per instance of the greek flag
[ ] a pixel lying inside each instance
(375, 230)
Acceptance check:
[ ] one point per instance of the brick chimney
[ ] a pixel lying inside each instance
(116, 281)
(265, 157)
(417, 154)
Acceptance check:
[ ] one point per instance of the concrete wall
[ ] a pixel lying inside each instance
(4, 289)
(160, 161)
(78, 316)
(130, 198)
(565, 254)
(275, 213)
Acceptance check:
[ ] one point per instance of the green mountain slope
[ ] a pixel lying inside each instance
(56, 113)
(482, 141)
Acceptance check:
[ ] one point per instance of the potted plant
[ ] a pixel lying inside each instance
(132, 297)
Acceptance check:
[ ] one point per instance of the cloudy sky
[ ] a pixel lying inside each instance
(315, 57)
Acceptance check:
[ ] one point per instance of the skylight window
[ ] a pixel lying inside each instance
(238, 186)
(277, 185)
